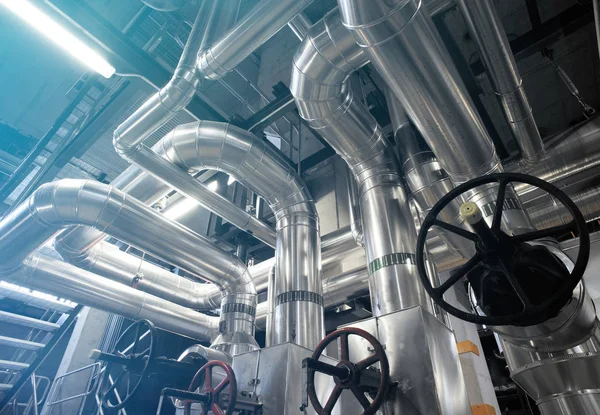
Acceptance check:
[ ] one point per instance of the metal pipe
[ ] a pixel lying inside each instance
(322, 65)
(298, 315)
(59, 278)
(354, 210)
(486, 28)
(568, 153)
(406, 49)
(300, 25)
(425, 177)
(254, 29)
(337, 290)
(175, 95)
(76, 202)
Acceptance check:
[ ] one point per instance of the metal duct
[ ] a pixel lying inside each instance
(568, 153)
(322, 65)
(256, 27)
(406, 49)
(337, 290)
(59, 278)
(354, 210)
(404, 46)
(76, 202)
(298, 316)
(486, 28)
(427, 181)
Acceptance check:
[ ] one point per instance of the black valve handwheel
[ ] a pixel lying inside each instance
(127, 364)
(213, 393)
(530, 311)
(347, 374)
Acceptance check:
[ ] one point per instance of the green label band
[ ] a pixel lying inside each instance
(389, 260)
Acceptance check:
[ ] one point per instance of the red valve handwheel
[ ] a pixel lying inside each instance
(229, 382)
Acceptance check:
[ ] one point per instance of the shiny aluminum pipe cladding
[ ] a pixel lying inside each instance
(298, 315)
(256, 27)
(405, 47)
(78, 202)
(106, 260)
(55, 277)
(561, 382)
(486, 28)
(322, 65)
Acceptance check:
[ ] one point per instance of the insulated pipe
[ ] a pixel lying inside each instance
(570, 152)
(404, 46)
(298, 315)
(253, 30)
(164, 105)
(56, 277)
(322, 65)
(427, 181)
(78, 202)
(337, 290)
(486, 28)
(406, 49)
(354, 210)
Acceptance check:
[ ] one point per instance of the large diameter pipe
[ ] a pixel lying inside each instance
(405, 47)
(256, 27)
(298, 316)
(77, 202)
(322, 65)
(59, 278)
(337, 290)
(570, 152)
(485, 26)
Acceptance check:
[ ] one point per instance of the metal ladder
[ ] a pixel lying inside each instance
(17, 369)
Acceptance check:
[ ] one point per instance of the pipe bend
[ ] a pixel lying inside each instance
(224, 147)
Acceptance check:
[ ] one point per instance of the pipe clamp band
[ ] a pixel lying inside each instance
(389, 260)
(238, 308)
(290, 296)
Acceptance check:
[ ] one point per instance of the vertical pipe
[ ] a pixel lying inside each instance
(322, 65)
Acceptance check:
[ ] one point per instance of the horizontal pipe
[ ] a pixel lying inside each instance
(76, 202)
(56, 277)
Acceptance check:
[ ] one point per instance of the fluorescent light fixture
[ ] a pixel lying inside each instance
(214, 185)
(231, 180)
(59, 35)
